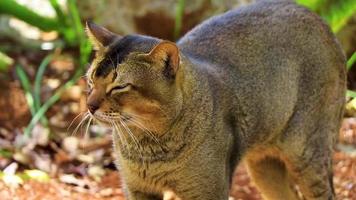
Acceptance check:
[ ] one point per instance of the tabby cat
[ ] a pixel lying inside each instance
(263, 84)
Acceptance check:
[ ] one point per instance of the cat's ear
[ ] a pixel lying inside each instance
(168, 53)
(99, 36)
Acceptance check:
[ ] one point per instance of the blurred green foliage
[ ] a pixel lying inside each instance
(335, 12)
(5, 62)
(351, 61)
(68, 25)
(179, 18)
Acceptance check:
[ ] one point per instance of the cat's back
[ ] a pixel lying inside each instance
(256, 30)
(261, 52)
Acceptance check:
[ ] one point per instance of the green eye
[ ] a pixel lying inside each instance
(120, 88)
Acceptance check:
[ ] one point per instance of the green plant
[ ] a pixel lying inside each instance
(335, 12)
(5, 153)
(26, 85)
(33, 96)
(5, 62)
(11, 7)
(179, 18)
(59, 24)
(70, 27)
(349, 64)
(351, 61)
(84, 50)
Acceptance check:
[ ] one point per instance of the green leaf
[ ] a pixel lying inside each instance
(52, 100)
(5, 153)
(311, 4)
(350, 93)
(36, 175)
(84, 49)
(335, 12)
(5, 62)
(21, 12)
(38, 80)
(25, 82)
(338, 13)
(351, 61)
(179, 18)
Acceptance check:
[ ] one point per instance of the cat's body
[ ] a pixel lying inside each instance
(264, 84)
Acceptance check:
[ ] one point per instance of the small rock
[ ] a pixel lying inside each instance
(96, 172)
(70, 144)
(106, 192)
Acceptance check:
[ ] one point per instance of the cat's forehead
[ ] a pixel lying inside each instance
(119, 51)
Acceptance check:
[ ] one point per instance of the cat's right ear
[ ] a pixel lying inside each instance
(99, 36)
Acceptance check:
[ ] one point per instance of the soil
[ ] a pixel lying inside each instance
(109, 188)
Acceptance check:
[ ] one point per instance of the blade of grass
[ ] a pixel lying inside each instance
(5, 153)
(37, 87)
(85, 50)
(179, 18)
(38, 80)
(84, 44)
(350, 93)
(312, 4)
(60, 15)
(52, 100)
(337, 13)
(63, 19)
(25, 82)
(5, 61)
(11, 7)
(76, 22)
(351, 61)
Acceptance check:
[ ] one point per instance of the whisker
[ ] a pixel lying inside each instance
(80, 124)
(136, 123)
(139, 147)
(117, 131)
(125, 139)
(88, 125)
(73, 120)
(130, 133)
(144, 119)
(145, 130)
(114, 125)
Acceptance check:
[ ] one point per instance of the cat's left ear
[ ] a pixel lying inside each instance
(99, 36)
(168, 53)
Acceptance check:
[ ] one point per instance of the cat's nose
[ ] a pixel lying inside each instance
(92, 107)
(94, 100)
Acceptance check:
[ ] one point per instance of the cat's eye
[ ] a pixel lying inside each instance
(119, 88)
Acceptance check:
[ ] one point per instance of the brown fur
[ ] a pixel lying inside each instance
(264, 84)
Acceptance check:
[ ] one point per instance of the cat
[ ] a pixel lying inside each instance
(262, 84)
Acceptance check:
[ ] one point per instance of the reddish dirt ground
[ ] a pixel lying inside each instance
(109, 187)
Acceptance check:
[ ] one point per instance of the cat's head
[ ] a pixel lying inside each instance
(133, 80)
